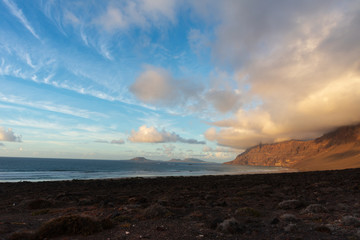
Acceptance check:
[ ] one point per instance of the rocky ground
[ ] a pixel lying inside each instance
(303, 205)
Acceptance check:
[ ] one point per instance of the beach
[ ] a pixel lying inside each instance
(299, 205)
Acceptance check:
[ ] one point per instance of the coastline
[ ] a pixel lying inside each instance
(296, 205)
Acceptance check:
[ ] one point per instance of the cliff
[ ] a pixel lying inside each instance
(338, 149)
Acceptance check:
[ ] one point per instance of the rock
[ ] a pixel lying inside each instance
(275, 221)
(230, 226)
(247, 212)
(290, 204)
(287, 217)
(350, 221)
(323, 228)
(156, 210)
(290, 228)
(314, 208)
(358, 233)
(342, 206)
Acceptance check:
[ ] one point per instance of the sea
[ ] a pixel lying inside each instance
(51, 169)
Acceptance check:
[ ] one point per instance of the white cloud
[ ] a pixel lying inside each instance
(152, 135)
(112, 19)
(142, 13)
(8, 135)
(20, 16)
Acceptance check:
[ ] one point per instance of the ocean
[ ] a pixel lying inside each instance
(50, 169)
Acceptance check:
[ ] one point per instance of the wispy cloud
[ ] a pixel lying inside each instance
(8, 135)
(49, 106)
(152, 135)
(20, 16)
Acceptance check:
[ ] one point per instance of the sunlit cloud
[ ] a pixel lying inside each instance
(152, 135)
(299, 61)
(8, 135)
(157, 86)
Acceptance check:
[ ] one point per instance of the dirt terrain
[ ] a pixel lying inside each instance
(301, 205)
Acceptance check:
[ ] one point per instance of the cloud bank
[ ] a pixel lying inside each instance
(152, 135)
(300, 63)
(8, 135)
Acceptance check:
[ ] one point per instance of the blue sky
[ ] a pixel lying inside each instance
(173, 79)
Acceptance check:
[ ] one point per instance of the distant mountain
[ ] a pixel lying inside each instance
(141, 160)
(338, 149)
(188, 160)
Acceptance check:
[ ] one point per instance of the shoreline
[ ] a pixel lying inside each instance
(291, 205)
(284, 170)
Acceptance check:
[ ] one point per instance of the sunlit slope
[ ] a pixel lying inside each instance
(339, 149)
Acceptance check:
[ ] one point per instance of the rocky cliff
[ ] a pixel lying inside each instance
(335, 150)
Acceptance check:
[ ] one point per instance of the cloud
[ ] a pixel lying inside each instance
(8, 135)
(168, 150)
(142, 13)
(101, 141)
(157, 86)
(299, 62)
(20, 16)
(223, 100)
(120, 141)
(218, 153)
(112, 19)
(49, 106)
(1, 144)
(152, 135)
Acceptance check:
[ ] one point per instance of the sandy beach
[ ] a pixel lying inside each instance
(302, 205)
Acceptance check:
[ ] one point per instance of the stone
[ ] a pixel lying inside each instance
(350, 221)
(290, 204)
(287, 217)
(230, 226)
(314, 208)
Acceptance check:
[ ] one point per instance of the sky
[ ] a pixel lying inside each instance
(170, 79)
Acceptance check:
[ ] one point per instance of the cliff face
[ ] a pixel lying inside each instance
(335, 150)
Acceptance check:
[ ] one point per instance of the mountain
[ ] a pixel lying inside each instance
(338, 149)
(188, 160)
(141, 160)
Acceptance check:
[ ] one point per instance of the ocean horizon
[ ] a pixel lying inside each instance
(16, 169)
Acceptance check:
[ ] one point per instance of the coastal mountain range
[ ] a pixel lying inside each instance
(338, 149)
